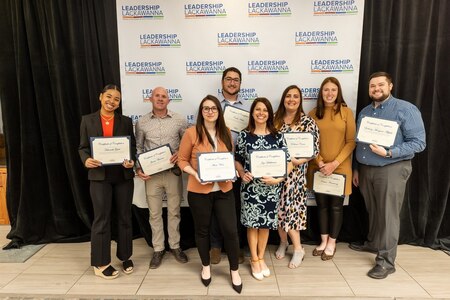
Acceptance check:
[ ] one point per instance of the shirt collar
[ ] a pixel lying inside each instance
(169, 114)
(383, 103)
(238, 100)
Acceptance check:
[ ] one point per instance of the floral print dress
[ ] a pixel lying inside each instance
(259, 202)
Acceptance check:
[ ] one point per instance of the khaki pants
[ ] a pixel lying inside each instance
(156, 186)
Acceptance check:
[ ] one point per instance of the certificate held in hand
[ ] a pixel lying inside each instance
(330, 185)
(111, 150)
(300, 144)
(156, 160)
(216, 166)
(268, 163)
(235, 118)
(377, 131)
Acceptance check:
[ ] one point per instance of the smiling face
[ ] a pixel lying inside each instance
(329, 93)
(260, 113)
(210, 111)
(159, 99)
(380, 88)
(231, 84)
(110, 100)
(292, 100)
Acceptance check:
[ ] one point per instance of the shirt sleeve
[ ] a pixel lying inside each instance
(413, 131)
(350, 131)
(185, 150)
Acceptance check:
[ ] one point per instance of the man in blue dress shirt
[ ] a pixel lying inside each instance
(382, 173)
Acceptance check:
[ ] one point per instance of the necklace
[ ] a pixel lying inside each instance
(106, 119)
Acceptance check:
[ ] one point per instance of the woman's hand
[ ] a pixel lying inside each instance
(246, 177)
(328, 168)
(91, 163)
(269, 180)
(128, 164)
(298, 162)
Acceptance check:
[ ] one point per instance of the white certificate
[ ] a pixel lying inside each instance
(216, 166)
(111, 150)
(300, 144)
(377, 131)
(330, 185)
(268, 163)
(235, 118)
(156, 160)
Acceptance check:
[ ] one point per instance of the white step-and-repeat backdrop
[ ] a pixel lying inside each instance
(185, 45)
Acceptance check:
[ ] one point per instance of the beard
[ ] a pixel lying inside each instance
(380, 99)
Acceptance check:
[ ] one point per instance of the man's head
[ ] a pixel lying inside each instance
(231, 82)
(380, 86)
(160, 99)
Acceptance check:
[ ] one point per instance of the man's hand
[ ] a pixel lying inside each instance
(142, 175)
(378, 150)
(355, 178)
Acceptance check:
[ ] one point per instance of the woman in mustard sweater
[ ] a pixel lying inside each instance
(337, 141)
(210, 135)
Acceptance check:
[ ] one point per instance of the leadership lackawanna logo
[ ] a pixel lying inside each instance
(248, 94)
(236, 39)
(338, 7)
(269, 9)
(310, 93)
(204, 10)
(267, 67)
(205, 67)
(331, 66)
(144, 68)
(318, 37)
(144, 11)
(159, 40)
(173, 93)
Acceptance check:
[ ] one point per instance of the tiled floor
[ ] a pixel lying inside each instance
(62, 270)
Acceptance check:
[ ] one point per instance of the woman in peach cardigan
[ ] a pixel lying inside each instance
(210, 135)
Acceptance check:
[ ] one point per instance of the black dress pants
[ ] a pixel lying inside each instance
(105, 195)
(223, 206)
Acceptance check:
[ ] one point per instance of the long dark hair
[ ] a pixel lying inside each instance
(269, 124)
(281, 111)
(111, 87)
(320, 108)
(222, 131)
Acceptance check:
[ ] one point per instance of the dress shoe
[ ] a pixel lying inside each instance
(257, 275)
(157, 259)
(236, 287)
(106, 273)
(205, 282)
(127, 266)
(380, 272)
(325, 256)
(317, 252)
(361, 247)
(266, 270)
(179, 255)
(215, 255)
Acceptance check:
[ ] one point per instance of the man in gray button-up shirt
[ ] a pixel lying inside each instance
(160, 127)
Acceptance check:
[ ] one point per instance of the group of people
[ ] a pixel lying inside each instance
(225, 211)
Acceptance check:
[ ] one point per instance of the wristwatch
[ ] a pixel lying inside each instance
(388, 154)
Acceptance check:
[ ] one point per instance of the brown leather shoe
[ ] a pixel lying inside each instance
(215, 255)
(317, 252)
(157, 259)
(179, 255)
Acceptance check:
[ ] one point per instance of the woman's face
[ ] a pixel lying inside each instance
(292, 100)
(329, 93)
(210, 111)
(110, 100)
(260, 113)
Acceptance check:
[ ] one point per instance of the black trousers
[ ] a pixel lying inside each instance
(223, 206)
(104, 195)
(331, 214)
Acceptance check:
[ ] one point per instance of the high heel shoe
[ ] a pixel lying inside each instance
(205, 282)
(256, 275)
(264, 272)
(237, 288)
(107, 273)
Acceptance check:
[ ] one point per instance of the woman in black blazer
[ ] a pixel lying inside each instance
(109, 185)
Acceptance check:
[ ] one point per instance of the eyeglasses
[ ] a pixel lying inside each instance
(208, 109)
(235, 80)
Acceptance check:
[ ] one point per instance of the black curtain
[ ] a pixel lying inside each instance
(56, 55)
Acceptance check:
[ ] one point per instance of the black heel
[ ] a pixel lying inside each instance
(237, 288)
(205, 282)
